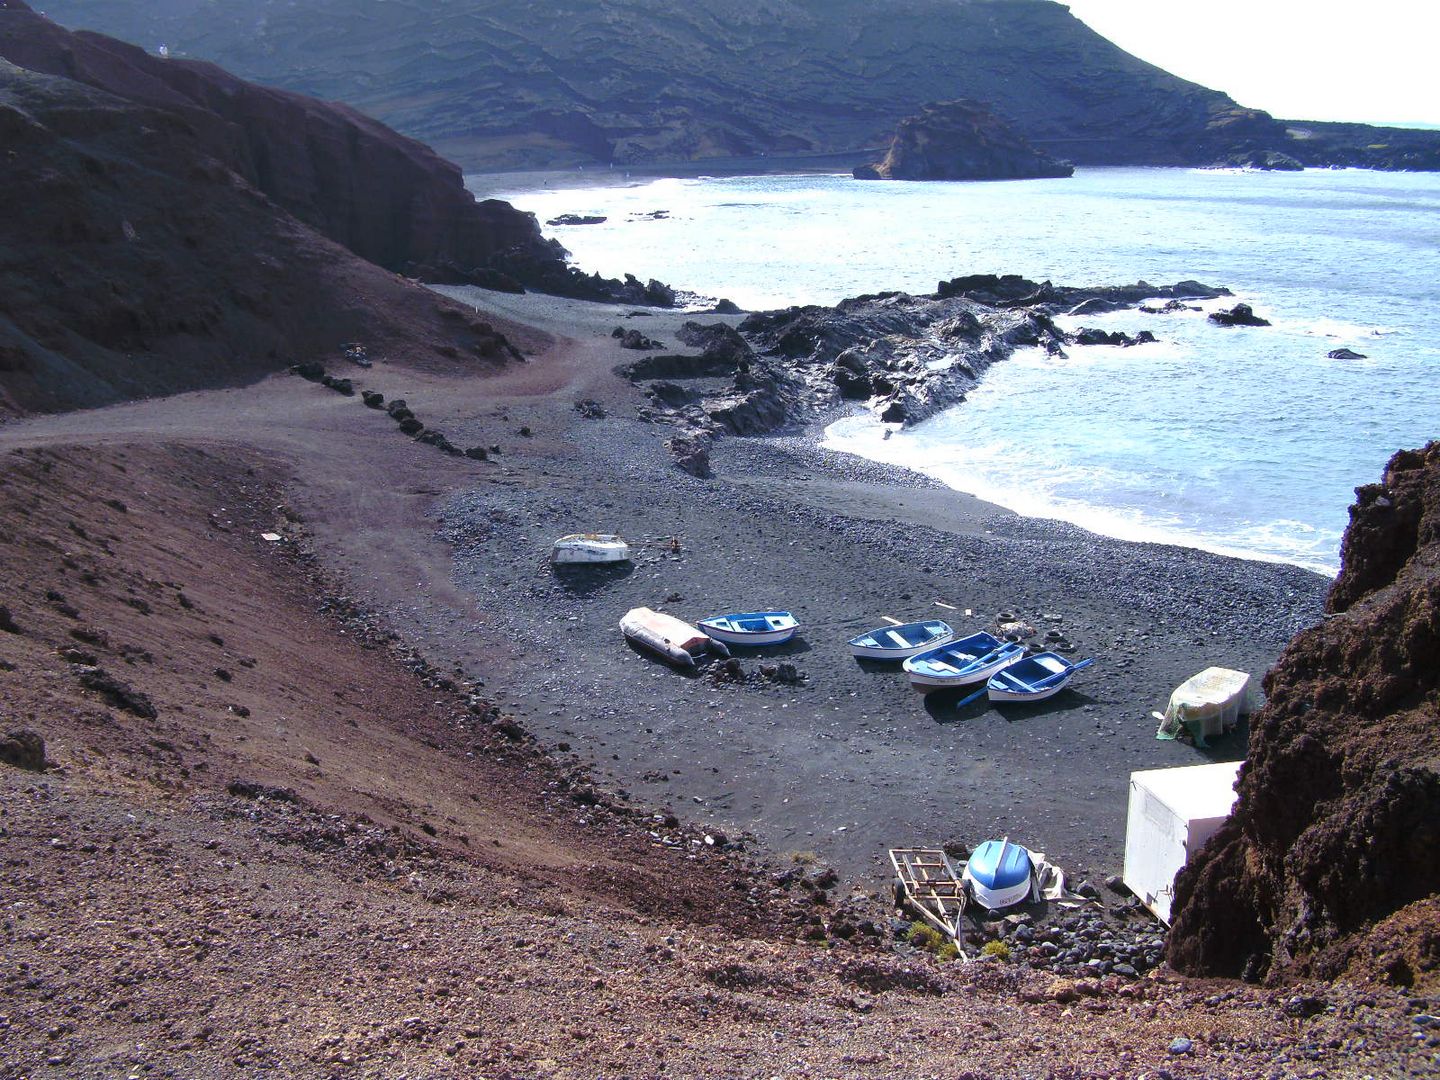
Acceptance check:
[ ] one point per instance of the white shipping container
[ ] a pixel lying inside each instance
(1172, 813)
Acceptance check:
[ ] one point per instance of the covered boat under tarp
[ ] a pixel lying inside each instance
(1208, 704)
(673, 639)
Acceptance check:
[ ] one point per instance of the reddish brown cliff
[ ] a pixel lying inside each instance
(1328, 860)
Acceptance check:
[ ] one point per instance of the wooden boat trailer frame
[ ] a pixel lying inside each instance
(930, 886)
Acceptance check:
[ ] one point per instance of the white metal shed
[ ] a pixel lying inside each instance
(1172, 813)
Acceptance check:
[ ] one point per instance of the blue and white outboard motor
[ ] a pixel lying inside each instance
(998, 874)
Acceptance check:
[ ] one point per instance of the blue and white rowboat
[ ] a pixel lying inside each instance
(1034, 678)
(961, 663)
(998, 874)
(901, 642)
(751, 627)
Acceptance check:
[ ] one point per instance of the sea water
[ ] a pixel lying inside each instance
(1245, 440)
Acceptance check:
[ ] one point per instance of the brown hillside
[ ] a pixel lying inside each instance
(1329, 855)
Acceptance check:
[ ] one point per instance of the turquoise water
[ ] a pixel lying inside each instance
(1242, 440)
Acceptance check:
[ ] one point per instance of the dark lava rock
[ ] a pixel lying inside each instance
(1330, 845)
(590, 409)
(1239, 315)
(692, 454)
(577, 219)
(411, 426)
(1264, 160)
(340, 386)
(725, 307)
(1089, 335)
(310, 369)
(7, 621)
(397, 405)
(24, 749)
(372, 399)
(960, 140)
(117, 692)
(477, 453)
(249, 789)
(1346, 354)
(634, 339)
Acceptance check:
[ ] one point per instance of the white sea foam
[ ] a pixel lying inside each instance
(1247, 440)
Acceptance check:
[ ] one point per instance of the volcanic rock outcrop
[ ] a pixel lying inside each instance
(1328, 860)
(960, 140)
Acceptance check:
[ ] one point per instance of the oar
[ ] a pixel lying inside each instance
(994, 654)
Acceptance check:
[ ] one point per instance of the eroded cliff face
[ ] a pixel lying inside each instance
(387, 198)
(1328, 861)
(960, 140)
(135, 262)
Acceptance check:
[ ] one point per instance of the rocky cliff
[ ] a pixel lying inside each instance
(496, 84)
(1328, 860)
(387, 198)
(135, 261)
(960, 140)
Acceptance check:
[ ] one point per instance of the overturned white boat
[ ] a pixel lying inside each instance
(589, 548)
(670, 638)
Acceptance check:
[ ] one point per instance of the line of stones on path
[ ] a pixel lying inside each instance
(405, 419)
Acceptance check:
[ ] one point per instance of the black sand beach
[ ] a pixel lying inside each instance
(850, 762)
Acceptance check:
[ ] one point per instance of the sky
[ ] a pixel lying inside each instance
(1376, 61)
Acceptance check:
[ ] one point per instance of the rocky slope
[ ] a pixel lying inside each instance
(1328, 859)
(960, 140)
(143, 265)
(494, 84)
(385, 197)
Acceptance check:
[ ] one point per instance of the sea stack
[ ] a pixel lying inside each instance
(961, 140)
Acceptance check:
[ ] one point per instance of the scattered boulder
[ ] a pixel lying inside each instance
(477, 453)
(249, 789)
(1090, 335)
(1239, 315)
(411, 426)
(725, 307)
(7, 621)
(372, 400)
(340, 386)
(24, 749)
(692, 453)
(310, 369)
(590, 409)
(577, 219)
(1167, 308)
(397, 405)
(117, 692)
(1346, 354)
(1264, 160)
(634, 339)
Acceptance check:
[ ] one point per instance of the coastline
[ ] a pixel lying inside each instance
(851, 761)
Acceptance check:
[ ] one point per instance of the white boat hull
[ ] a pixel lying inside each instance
(589, 548)
(928, 684)
(760, 628)
(901, 650)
